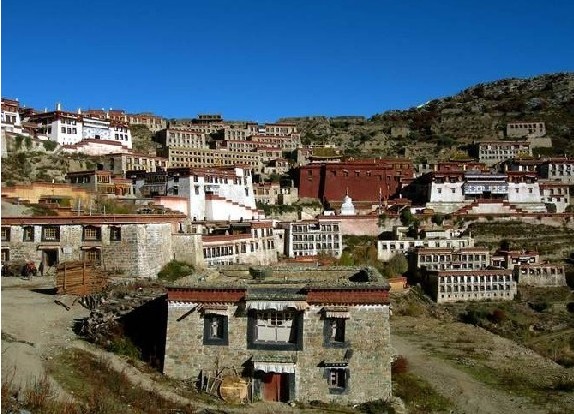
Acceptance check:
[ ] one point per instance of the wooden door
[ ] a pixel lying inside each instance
(276, 387)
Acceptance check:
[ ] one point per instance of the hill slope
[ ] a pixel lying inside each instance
(439, 126)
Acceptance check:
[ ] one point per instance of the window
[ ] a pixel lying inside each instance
(5, 256)
(334, 331)
(215, 329)
(51, 233)
(5, 233)
(115, 233)
(28, 234)
(92, 256)
(92, 233)
(275, 330)
(338, 377)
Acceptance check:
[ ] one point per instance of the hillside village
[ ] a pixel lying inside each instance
(295, 233)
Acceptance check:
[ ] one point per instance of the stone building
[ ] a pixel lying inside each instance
(101, 182)
(290, 338)
(134, 245)
(525, 129)
(528, 268)
(125, 162)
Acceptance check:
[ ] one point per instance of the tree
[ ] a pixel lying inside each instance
(407, 218)
(397, 265)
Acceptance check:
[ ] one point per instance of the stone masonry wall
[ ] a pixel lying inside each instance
(367, 331)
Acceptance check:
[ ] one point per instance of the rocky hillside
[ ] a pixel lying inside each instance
(440, 127)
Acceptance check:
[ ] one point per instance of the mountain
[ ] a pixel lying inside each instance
(442, 127)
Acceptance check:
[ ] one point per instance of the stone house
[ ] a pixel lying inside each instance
(290, 338)
(134, 245)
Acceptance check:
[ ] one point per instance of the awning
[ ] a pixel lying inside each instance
(277, 367)
(278, 305)
(341, 313)
(48, 247)
(215, 310)
(91, 248)
(341, 364)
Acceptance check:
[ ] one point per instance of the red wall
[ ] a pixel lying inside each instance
(363, 180)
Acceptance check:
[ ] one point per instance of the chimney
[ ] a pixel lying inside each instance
(58, 107)
(79, 111)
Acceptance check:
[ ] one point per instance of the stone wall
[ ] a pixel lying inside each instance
(367, 331)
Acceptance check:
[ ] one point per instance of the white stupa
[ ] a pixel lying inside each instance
(347, 208)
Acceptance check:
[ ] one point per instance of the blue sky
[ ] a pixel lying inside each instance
(261, 60)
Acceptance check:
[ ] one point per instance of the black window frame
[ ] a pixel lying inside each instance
(97, 260)
(115, 233)
(342, 385)
(223, 338)
(50, 227)
(6, 233)
(253, 343)
(30, 232)
(96, 229)
(340, 340)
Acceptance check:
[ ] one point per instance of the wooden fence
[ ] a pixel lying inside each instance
(79, 278)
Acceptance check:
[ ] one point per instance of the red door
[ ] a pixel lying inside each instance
(275, 387)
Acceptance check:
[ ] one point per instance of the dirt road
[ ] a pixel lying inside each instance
(34, 326)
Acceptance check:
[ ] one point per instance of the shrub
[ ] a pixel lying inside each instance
(174, 270)
(497, 316)
(538, 306)
(400, 365)
(377, 407)
(49, 145)
(472, 317)
(123, 345)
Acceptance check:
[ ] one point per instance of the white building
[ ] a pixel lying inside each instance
(431, 238)
(67, 128)
(493, 152)
(204, 193)
(459, 188)
(560, 169)
(11, 121)
(313, 237)
(557, 193)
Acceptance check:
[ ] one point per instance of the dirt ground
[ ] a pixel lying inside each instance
(34, 328)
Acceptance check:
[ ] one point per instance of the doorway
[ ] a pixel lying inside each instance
(49, 257)
(276, 387)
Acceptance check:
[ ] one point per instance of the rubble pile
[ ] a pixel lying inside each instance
(107, 309)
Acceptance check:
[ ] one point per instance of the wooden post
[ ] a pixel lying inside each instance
(84, 277)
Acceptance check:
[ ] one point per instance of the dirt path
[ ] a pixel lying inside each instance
(34, 327)
(469, 395)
